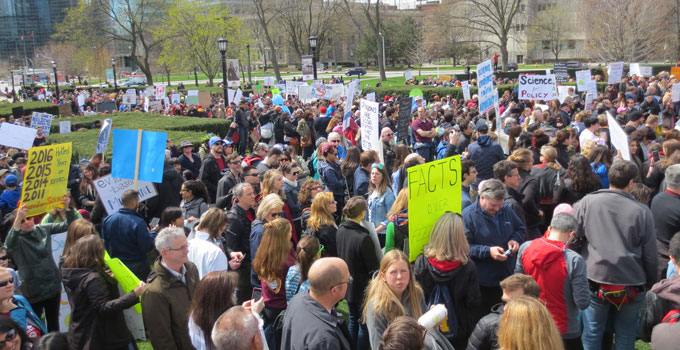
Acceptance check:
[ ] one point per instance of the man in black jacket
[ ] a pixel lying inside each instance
(506, 171)
(231, 178)
(213, 164)
(484, 336)
(311, 321)
(241, 120)
(238, 236)
(666, 210)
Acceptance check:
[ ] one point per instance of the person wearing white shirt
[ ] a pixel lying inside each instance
(591, 123)
(206, 249)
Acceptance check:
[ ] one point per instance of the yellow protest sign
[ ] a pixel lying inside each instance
(45, 178)
(433, 189)
(127, 280)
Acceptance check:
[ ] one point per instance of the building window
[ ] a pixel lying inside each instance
(546, 44)
(541, 7)
(522, 7)
(571, 44)
(520, 59)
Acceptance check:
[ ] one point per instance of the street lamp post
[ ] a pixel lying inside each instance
(383, 48)
(115, 83)
(312, 44)
(222, 46)
(250, 80)
(56, 80)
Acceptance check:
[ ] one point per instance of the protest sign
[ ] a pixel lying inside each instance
(175, 98)
(404, 119)
(131, 92)
(618, 137)
(233, 70)
(561, 72)
(433, 189)
(42, 120)
(370, 128)
(536, 87)
(590, 97)
(268, 81)
(465, 85)
(16, 136)
(238, 95)
(160, 91)
(45, 178)
(106, 106)
(443, 77)
(371, 96)
(150, 91)
(307, 67)
(349, 99)
(281, 87)
(81, 100)
(146, 104)
(65, 110)
(292, 87)
(104, 133)
(110, 189)
(306, 94)
(563, 92)
(676, 72)
(129, 100)
(582, 78)
(204, 99)
(151, 154)
(485, 84)
(192, 92)
(156, 106)
(259, 89)
(191, 100)
(64, 126)
(128, 281)
(615, 72)
(634, 69)
(408, 75)
(58, 241)
(275, 91)
(591, 87)
(675, 92)
(646, 71)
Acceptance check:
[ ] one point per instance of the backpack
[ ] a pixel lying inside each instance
(267, 130)
(672, 316)
(440, 294)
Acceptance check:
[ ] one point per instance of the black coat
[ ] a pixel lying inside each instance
(238, 232)
(565, 192)
(168, 192)
(484, 337)
(97, 320)
(210, 175)
(355, 246)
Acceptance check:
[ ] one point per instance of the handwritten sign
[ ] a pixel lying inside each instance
(16, 136)
(42, 120)
(675, 92)
(485, 84)
(46, 177)
(618, 137)
(615, 72)
(370, 128)
(404, 119)
(64, 126)
(561, 72)
(433, 189)
(536, 87)
(465, 85)
(110, 189)
(582, 78)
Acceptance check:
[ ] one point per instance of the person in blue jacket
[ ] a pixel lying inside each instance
(331, 175)
(491, 228)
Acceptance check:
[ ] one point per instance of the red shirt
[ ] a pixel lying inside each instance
(220, 162)
(425, 125)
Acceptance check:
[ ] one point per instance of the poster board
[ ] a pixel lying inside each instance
(42, 120)
(370, 128)
(45, 178)
(65, 110)
(110, 189)
(204, 99)
(404, 118)
(307, 67)
(536, 87)
(17, 136)
(561, 72)
(106, 106)
(64, 126)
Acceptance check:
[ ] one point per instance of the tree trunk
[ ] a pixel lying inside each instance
(504, 53)
(167, 71)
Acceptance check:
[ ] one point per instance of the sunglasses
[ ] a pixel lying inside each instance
(276, 215)
(295, 173)
(11, 334)
(4, 283)
(284, 160)
(378, 166)
(4, 257)
(253, 175)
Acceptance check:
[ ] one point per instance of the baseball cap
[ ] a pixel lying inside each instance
(228, 142)
(322, 110)
(481, 126)
(11, 180)
(214, 140)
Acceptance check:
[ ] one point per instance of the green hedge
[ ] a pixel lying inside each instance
(178, 129)
(29, 108)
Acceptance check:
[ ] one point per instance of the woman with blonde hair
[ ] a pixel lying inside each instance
(445, 260)
(393, 292)
(396, 234)
(527, 324)
(272, 261)
(272, 182)
(321, 223)
(269, 209)
(548, 174)
(528, 186)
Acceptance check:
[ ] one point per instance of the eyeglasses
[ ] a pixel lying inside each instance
(234, 163)
(295, 173)
(284, 160)
(276, 215)
(378, 166)
(11, 334)
(184, 247)
(350, 280)
(4, 283)
(253, 175)
(4, 257)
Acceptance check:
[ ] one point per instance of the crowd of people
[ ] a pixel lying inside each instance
(262, 233)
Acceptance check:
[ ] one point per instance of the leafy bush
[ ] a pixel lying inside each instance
(178, 129)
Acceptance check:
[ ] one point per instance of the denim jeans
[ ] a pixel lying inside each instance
(357, 329)
(625, 321)
(425, 152)
(242, 141)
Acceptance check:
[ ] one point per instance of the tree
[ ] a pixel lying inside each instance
(266, 11)
(189, 37)
(623, 30)
(371, 12)
(492, 19)
(124, 22)
(551, 27)
(301, 19)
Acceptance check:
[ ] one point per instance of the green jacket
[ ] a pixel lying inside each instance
(165, 303)
(32, 252)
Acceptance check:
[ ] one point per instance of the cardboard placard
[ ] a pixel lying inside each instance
(204, 99)
(404, 119)
(46, 176)
(110, 189)
(65, 110)
(17, 136)
(106, 106)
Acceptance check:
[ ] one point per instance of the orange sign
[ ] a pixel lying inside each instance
(675, 71)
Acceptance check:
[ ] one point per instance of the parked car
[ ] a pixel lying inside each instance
(512, 66)
(576, 65)
(356, 71)
(133, 81)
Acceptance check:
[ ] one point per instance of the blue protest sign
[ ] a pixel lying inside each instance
(151, 156)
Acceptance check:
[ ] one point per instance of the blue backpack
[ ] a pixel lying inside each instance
(450, 327)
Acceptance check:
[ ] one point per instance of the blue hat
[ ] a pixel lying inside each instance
(214, 139)
(228, 142)
(11, 180)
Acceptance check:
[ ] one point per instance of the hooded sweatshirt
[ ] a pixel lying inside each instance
(561, 275)
(662, 298)
(485, 153)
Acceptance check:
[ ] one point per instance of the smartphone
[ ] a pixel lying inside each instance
(507, 252)
(257, 294)
(154, 222)
(655, 154)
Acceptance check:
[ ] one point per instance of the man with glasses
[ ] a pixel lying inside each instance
(167, 298)
(231, 178)
(507, 173)
(240, 218)
(335, 139)
(387, 138)
(491, 227)
(251, 176)
(212, 167)
(311, 321)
